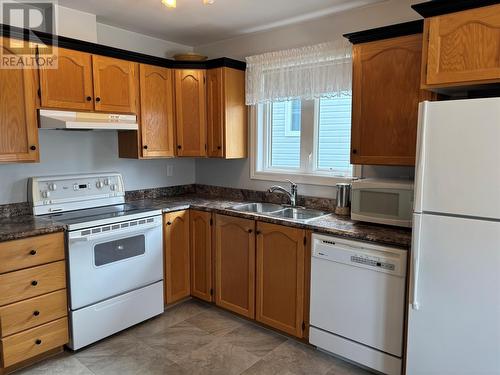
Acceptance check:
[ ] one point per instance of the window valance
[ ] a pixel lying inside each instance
(307, 72)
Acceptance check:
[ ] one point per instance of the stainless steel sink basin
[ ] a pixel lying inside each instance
(301, 214)
(259, 208)
(278, 211)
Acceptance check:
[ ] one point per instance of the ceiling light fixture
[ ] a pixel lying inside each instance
(169, 3)
(173, 3)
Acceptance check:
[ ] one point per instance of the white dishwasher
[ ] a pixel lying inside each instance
(357, 301)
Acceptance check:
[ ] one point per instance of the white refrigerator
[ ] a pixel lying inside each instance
(454, 311)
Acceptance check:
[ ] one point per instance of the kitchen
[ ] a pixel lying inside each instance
(201, 213)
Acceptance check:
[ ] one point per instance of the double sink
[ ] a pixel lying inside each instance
(280, 212)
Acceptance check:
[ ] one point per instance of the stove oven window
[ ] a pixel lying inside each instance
(115, 251)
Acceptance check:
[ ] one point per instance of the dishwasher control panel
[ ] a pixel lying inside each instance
(360, 254)
(373, 262)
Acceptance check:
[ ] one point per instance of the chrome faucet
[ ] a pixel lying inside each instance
(292, 194)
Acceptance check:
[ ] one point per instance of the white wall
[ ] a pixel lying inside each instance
(236, 173)
(76, 24)
(73, 152)
(120, 38)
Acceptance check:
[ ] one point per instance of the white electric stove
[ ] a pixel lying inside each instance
(114, 252)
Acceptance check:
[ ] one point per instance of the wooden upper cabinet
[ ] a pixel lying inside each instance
(235, 264)
(226, 113)
(280, 277)
(157, 111)
(462, 48)
(18, 119)
(177, 259)
(70, 85)
(201, 254)
(386, 94)
(190, 99)
(115, 84)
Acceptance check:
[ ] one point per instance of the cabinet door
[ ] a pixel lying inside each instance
(280, 277)
(115, 84)
(386, 93)
(215, 112)
(177, 265)
(201, 255)
(157, 111)
(190, 99)
(70, 85)
(235, 264)
(463, 47)
(18, 121)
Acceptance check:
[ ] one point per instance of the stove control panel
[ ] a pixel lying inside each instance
(52, 194)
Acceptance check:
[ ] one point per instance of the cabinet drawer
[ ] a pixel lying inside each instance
(28, 344)
(32, 312)
(32, 251)
(32, 282)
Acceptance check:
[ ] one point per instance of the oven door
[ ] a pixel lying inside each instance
(113, 259)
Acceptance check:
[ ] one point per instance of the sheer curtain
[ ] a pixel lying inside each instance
(307, 72)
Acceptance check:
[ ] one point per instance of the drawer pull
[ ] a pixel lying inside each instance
(36, 313)
(34, 283)
(33, 252)
(38, 341)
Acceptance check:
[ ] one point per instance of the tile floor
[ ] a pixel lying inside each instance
(195, 338)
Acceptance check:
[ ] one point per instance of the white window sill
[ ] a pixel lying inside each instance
(300, 178)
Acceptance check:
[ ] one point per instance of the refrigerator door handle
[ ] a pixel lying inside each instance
(415, 260)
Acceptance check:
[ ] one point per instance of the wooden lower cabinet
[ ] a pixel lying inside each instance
(33, 300)
(200, 223)
(280, 278)
(235, 264)
(177, 259)
(28, 344)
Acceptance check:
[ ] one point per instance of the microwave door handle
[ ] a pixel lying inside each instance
(415, 262)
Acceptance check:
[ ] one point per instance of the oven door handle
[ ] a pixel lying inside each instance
(122, 231)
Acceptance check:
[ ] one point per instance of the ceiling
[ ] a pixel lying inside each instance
(193, 23)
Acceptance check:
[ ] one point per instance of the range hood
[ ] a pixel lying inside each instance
(86, 120)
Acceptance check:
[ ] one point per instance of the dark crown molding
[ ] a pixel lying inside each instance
(440, 7)
(99, 49)
(386, 32)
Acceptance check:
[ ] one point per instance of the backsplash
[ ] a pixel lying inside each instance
(209, 191)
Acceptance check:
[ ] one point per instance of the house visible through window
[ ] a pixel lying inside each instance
(305, 137)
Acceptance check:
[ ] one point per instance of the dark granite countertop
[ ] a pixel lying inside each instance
(16, 227)
(332, 224)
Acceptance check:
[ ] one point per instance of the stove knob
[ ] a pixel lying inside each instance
(113, 187)
(45, 194)
(99, 184)
(52, 186)
(106, 181)
(75, 187)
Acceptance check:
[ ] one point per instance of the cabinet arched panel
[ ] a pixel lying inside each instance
(69, 86)
(463, 47)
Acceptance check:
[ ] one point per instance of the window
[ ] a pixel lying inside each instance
(305, 140)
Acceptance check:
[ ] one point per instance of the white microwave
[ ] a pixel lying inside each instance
(382, 201)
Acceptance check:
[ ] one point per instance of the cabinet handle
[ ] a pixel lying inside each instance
(33, 252)
(145, 147)
(34, 283)
(89, 98)
(219, 147)
(250, 231)
(354, 151)
(179, 147)
(36, 313)
(33, 148)
(38, 341)
(257, 232)
(169, 223)
(97, 99)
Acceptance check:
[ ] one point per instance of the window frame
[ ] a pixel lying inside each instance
(259, 118)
